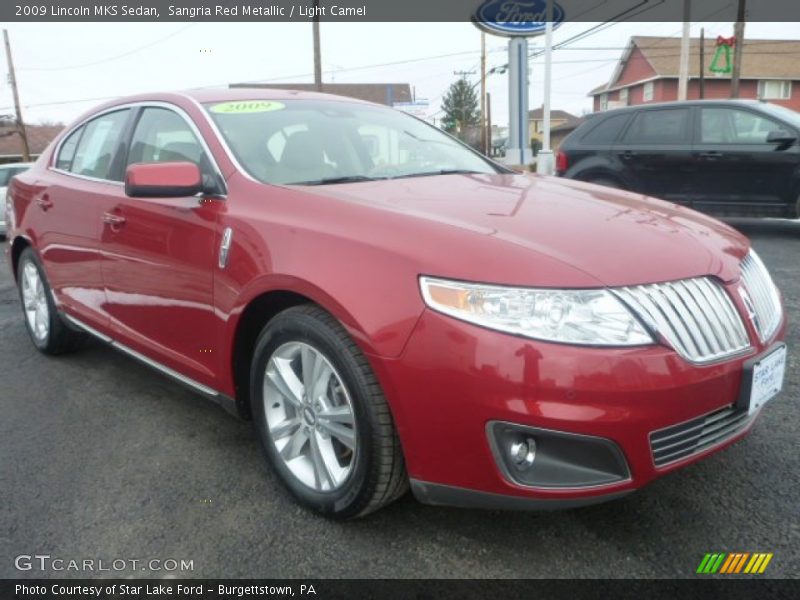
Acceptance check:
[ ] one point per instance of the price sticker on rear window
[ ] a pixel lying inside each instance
(246, 107)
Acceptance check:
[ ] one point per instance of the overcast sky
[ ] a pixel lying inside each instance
(58, 64)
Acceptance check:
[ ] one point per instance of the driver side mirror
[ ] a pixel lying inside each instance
(163, 180)
(781, 136)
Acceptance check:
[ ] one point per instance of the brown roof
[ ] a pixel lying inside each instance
(379, 93)
(568, 126)
(538, 114)
(761, 59)
(39, 136)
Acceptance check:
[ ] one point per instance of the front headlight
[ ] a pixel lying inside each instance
(585, 317)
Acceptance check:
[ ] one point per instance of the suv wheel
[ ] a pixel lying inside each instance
(322, 417)
(48, 331)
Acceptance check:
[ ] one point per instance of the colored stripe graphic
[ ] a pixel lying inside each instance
(727, 564)
(734, 563)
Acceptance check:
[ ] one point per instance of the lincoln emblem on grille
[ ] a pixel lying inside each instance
(748, 304)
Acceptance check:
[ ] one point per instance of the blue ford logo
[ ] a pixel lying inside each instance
(516, 17)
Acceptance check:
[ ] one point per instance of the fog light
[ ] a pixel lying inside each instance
(523, 452)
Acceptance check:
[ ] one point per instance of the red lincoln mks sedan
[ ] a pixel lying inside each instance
(391, 308)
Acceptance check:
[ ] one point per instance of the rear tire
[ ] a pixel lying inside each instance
(48, 331)
(322, 417)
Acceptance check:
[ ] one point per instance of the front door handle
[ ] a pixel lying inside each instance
(627, 154)
(114, 221)
(44, 202)
(713, 155)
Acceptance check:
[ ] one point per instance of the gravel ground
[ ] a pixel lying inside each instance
(102, 458)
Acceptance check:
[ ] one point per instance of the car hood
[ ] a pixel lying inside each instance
(610, 236)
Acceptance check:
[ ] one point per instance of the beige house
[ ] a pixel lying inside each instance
(558, 118)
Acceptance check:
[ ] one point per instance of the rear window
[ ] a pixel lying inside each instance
(607, 130)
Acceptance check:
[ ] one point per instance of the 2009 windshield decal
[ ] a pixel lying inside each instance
(246, 107)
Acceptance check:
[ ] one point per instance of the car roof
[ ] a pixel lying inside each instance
(678, 104)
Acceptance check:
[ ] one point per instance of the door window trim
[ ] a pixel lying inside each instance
(57, 152)
(127, 136)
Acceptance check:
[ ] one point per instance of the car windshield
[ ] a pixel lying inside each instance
(314, 142)
(787, 114)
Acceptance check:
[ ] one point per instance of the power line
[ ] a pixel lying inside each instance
(282, 77)
(111, 58)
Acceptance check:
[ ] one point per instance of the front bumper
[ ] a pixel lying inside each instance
(454, 379)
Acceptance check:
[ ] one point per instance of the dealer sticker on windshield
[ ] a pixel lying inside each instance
(767, 379)
(247, 106)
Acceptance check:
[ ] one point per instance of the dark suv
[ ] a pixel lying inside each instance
(729, 157)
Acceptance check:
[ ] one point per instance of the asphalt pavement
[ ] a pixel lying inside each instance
(102, 458)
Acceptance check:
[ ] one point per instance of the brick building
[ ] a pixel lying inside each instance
(648, 72)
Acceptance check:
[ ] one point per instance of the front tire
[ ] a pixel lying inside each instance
(45, 326)
(322, 417)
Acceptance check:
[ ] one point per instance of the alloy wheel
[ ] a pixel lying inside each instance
(34, 299)
(310, 416)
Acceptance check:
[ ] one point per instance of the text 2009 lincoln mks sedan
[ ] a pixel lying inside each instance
(391, 308)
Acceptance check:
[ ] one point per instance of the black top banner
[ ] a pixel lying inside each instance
(513, 11)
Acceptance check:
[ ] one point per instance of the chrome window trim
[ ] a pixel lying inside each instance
(129, 106)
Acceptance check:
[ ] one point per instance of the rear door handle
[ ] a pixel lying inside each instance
(627, 154)
(44, 202)
(115, 221)
(713, 155)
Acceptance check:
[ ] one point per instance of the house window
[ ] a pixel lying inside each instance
(623, 96)
(647, 92)
(603, 101)
(773, 89)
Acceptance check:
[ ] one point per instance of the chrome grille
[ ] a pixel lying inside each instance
(680, 441)
(764, 297)
(695, 316)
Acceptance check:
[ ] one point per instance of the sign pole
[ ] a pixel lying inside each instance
(544, 161)
(519, 151)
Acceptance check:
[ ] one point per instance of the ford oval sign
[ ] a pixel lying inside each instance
(516, 17)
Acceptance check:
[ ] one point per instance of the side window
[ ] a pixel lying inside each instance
(162, 135)
(734, 126)
(67, 151)
(98, 144)
(607, 130)
(667, 126)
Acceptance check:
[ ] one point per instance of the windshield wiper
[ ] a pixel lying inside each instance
(442, 172)
(342, 179)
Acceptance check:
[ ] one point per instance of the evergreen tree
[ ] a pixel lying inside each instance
(460, 106)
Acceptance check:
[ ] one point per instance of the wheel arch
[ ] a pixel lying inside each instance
(257, 307)
(17, 246)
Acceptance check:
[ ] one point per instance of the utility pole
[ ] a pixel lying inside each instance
(702, 63)
(12, 80)
(483, 94)
(738, 33)
(317, 53)
(489, 123)
(683, 70)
